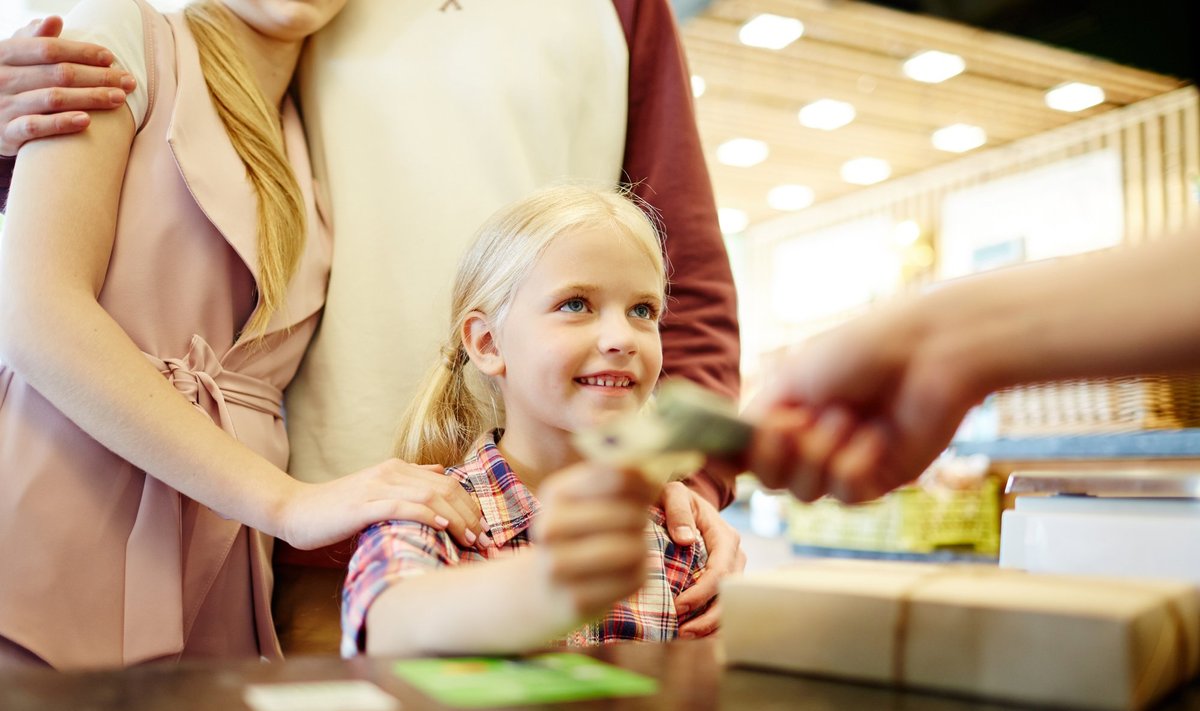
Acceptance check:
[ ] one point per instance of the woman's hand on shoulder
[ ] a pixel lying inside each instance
(590, 535)
(314, 515)
(47, 84)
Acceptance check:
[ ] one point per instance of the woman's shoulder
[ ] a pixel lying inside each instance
(120, 27)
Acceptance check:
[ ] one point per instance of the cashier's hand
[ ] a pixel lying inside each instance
(687, 515)
(861, 409)
(47, 84)
(591, 536)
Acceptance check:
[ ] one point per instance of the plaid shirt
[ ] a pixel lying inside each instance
(391, 551)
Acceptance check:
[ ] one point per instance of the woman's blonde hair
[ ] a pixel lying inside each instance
(254, 129)
(455, 402)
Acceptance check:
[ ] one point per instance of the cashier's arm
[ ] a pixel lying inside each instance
(867, 406)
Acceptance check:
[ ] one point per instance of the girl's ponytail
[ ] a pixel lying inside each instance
(444, 417)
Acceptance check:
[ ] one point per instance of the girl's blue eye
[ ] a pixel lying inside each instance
(575, 306)
(642, 311)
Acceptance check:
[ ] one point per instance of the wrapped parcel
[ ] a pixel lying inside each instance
(974, 630)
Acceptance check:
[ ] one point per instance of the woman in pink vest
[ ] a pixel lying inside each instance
(150, 316)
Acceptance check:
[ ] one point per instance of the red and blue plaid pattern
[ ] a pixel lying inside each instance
(391, 551)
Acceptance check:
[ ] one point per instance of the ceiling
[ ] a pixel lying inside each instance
(853, 52)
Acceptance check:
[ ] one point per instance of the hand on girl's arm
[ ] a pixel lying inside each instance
(320, 514)
(47, 84)
(687, 515)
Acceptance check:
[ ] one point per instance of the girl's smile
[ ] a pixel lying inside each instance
(579, 342)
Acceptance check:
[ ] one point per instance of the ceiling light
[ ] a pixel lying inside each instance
(906, 233)
(771, 31)
(827, 114)
(1074, 96)
(698, 86)
(732, 220)
(742, 152)
(933, 66)
(959, 138)
(790, 197)
(866, 171)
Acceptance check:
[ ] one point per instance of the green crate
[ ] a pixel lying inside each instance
(909, 520)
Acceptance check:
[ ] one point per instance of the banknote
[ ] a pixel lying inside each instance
(670, 438)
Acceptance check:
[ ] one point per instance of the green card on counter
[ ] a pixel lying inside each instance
(477, 682)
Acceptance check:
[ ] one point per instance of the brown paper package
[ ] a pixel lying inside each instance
(980, 631)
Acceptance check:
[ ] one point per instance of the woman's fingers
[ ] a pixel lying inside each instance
(449, 490)
(458, 512)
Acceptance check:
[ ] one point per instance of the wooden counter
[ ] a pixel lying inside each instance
(690, 674)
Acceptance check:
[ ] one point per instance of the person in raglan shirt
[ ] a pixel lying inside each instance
(424, 117)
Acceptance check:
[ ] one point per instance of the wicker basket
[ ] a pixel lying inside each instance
(1149, 402)
(909, 520)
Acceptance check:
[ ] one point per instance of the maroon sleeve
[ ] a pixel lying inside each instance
(6, 171)
(665, 163)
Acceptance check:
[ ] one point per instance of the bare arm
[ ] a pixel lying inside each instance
(867, 407)
(442, 613)
(56, 336)
(1121, 312)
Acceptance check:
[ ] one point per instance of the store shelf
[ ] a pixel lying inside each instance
(940, 556)
(1162, 444)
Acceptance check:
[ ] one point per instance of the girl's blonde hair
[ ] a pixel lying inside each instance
(455, 403)
(254, 129)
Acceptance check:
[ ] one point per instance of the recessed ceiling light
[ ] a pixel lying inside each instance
(698, 86)
(866, 171)
(790, 197)
(771, 31)
(933, 66)
(1074, 96)
(827, 114)
(742, 152)
(959, 138)
(732, 220)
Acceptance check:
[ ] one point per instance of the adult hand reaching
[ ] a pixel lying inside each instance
(862, 409)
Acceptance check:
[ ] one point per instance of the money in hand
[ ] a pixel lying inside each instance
(669, 439)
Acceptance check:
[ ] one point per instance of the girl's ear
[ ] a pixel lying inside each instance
(479, 340)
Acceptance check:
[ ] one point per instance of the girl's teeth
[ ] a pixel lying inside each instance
(606, 382)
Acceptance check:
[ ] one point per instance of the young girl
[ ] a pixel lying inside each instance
(554, 328)
(160, 278)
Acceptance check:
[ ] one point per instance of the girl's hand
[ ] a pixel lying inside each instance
(314, 515)
(590, 535)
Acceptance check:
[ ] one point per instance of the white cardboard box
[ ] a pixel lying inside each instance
(1122, 537)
